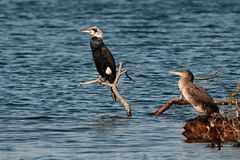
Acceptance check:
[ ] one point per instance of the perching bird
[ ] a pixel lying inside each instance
(194, 94)
(102, 56)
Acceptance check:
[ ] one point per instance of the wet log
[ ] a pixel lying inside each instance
(212, 129)
(215, 129)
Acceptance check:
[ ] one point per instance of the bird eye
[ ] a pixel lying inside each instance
(94, 30)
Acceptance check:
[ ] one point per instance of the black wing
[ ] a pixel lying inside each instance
(110, 62)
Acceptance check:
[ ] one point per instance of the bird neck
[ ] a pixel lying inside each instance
(96, 43)
(98, 35)
(183, 81)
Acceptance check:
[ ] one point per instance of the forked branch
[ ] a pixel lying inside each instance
(211, 77)
(114, 87)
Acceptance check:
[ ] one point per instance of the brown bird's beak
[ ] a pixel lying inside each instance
(176, 73)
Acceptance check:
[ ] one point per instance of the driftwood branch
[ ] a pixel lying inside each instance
(171, 102)
(88, 82)
(130, 78)
(113, 86)
(163, 108)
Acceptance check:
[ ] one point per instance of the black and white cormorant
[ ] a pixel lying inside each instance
(102, 56)
(194, 94)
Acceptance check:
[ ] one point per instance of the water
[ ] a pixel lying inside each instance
(42, 57)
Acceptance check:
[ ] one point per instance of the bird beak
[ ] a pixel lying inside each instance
(176, 73)
(86, 30)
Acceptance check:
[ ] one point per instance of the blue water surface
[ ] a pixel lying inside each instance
(43, 115)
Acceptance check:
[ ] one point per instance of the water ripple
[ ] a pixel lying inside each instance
(44, 115)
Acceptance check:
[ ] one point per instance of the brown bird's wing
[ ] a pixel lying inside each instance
(201, 94)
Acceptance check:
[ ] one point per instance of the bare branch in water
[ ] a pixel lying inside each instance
(114, 87)
(171, 102)
(211, 77)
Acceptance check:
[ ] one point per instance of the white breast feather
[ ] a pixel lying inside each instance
(108, 71)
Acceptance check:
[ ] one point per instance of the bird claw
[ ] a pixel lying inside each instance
(182, 98)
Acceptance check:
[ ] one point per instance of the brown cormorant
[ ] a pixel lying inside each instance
(194, 94)
(102, 56)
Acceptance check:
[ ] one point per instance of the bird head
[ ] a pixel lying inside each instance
(184, 74)
(93, 31)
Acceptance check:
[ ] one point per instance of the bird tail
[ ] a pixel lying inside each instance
(212, 108)
(113, 95)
